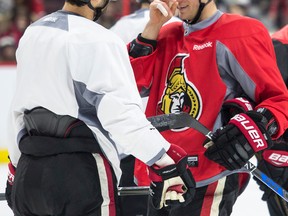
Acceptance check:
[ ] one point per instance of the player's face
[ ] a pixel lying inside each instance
(102, 4)
(187, 9)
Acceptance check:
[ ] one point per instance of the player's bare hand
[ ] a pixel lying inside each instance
(162, 11)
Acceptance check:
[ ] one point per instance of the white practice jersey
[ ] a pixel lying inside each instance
(128, 27)
(73, 66)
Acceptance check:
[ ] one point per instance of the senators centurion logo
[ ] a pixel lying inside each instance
(179, 94)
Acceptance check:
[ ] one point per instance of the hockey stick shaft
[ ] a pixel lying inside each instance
(2, 196)
(133, 191)
(122, 191)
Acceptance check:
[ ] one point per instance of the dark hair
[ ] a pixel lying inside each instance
(76, 2)
(144, 1)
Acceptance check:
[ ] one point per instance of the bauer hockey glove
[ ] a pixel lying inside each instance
(173, 185)
(235, 106)
(274, 163)
(9, 184)
(234, 144)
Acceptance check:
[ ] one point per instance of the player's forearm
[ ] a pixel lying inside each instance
(151, 31)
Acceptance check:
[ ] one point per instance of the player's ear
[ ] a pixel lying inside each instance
(99, 3)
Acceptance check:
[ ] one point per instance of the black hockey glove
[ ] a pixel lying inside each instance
(172, 186)
(243, 136)
(235, 106)
(9, 184)
(274, 163)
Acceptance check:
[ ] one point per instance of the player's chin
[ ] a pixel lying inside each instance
(185, 17)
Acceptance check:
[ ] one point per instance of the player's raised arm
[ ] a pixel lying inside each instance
(160, 13)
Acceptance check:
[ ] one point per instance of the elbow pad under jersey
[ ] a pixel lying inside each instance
(141, 47)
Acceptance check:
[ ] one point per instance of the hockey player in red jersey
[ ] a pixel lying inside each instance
(196, 66)
(274, 162)
(75, 114)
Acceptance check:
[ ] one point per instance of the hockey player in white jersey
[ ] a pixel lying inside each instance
(75, 114)
(128, 27)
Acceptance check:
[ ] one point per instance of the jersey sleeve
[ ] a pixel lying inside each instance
(108, 84)
(143, 68)
(257, 72)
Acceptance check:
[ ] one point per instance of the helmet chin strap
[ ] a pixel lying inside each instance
(97, 10)
(200, 9)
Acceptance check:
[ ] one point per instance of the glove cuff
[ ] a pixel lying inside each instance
(11, 173)
(179, 156)
(276, 158)
(235, 106)
(176, 153)
(141, 47)
(240, 103)
(270, 124)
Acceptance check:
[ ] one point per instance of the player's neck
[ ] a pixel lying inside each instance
(84, 11)
(208, 11)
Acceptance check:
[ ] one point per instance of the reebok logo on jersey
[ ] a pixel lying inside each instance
(203, 46)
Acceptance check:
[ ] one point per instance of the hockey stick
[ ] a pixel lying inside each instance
(169, 121)
(179, 120)
(2, 196)
(161, 123)
(188, 121)
(249, 165)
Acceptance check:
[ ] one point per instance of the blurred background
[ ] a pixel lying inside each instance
(16, 15)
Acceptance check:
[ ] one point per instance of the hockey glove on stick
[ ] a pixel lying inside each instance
(173, 185)
(274, 163)
(9, 184)
(243, 136)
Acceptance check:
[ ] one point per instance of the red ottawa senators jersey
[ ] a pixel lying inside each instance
(281, 35)
(195, 68)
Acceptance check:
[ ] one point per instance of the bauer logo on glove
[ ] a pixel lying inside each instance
(276, 157)
(250, 131)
